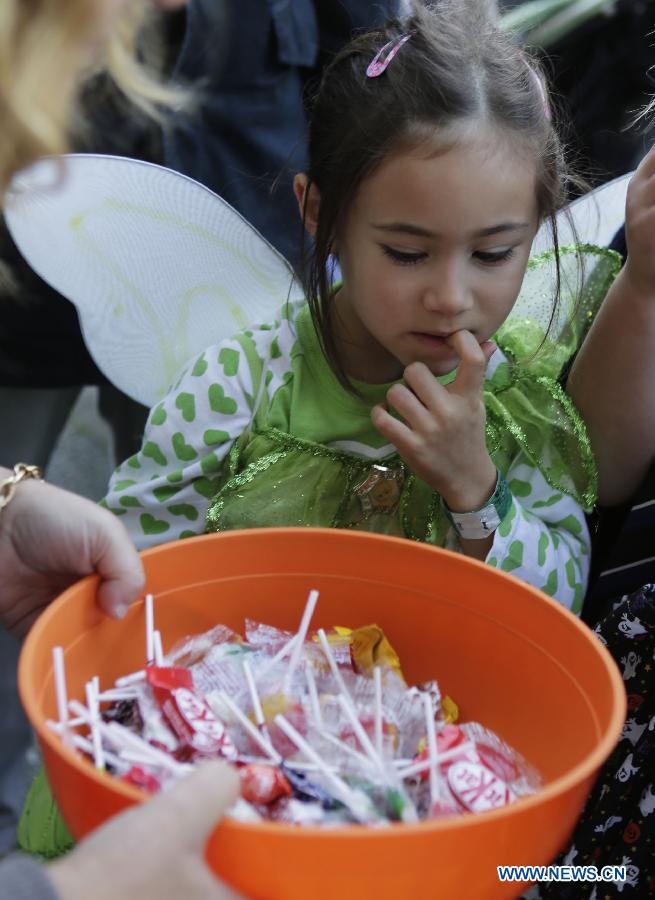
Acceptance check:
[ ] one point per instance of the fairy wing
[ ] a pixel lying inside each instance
(587, 268)
(158, 266)
(597, 216)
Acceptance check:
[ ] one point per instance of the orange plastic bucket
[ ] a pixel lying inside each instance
(511, 658)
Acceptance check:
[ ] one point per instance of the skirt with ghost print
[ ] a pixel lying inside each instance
(617, 827)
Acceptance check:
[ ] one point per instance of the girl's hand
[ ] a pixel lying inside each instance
(442, 437)
(639, 269)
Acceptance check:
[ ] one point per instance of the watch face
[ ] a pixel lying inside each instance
(489, 519)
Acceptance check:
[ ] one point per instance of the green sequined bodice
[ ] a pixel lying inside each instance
(277, 479)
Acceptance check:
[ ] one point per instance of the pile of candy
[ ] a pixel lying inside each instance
(323, 727)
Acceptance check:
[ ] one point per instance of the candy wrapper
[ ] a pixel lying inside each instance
(323, 728)
(477, 772)
(199, 731)
(263, 784)
(193, 649)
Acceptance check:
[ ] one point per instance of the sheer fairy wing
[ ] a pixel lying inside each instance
(597, 216)
(158, 266)
(587, 268)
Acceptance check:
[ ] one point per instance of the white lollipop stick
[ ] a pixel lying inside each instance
(314, 702)
(377, 679)
(302, 634)
(247, 726)
(254, 696)
(121, 737)
(305, 766)
(346, 748)
(357, 805)
(416, 768)
(80, 710)
(85, 744)
(432, 748)
(362, 737)
(59, 728)
(256, 705)
(150, 628)
(133, 678)
(112, 695)
(347, 705)
(158, 648)
(279, 656)
(327, 650)
(94, 710)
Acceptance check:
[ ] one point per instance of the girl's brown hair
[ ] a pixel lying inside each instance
(456, 67)
(45, 48)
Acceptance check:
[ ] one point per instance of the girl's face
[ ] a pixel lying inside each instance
(431, 246)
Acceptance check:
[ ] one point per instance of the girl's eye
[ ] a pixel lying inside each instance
(493, 258)
(402, 257)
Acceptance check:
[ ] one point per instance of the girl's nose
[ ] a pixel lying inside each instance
(447, 294)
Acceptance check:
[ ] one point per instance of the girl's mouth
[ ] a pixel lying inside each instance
(431, 340)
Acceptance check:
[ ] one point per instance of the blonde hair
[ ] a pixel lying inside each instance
(45, 49)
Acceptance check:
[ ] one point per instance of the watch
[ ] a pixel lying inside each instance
(482, 522)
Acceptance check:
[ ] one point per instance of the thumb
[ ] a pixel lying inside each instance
(194, 805)
(118, 564)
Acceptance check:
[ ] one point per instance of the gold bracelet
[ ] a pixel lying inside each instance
(8, 485)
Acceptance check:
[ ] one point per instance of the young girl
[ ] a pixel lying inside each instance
(382, 402)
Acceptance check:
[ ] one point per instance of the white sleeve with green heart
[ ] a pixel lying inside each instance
(163, 492)
(544, 539)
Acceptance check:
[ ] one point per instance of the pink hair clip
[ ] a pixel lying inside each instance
(379, 62)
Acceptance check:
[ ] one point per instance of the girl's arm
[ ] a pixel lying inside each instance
(163, 492)
(613, 378)
(544, 539)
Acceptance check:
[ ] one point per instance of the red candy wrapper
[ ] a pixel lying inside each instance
(197, 728)
(487, 775)
(263, 784)
(142, 779)
(450, 737)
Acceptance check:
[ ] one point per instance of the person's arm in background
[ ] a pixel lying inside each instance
(613, 377)
(152, 852)
(50, 538)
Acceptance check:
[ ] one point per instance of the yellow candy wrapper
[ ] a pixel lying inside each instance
(369, 647)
